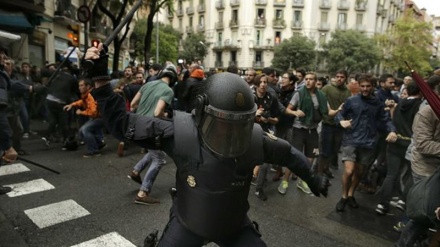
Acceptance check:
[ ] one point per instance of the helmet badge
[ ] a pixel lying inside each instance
(191, 181)
(239, 99)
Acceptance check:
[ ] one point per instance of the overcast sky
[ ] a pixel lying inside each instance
(431, 6)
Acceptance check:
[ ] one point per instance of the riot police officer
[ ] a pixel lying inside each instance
(215, 150)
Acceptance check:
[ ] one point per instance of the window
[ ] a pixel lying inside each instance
(277, 40)
(342, 18)
(258, 38)
(279, 14)
(191, 21)
(297, 16)
(322, 37)
(220, 38)
(258, 56)
(180, 24)
(234, 37)
(296, 34)
(201, 20)
(260, 14)
(324, 17)
(359, 18)
(235, 15)
(218, 56)
(220, 16)
(234, 57)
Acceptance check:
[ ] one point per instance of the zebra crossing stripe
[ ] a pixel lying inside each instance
(29, 187)
(108, 240)
(56, 213)
(13, 169)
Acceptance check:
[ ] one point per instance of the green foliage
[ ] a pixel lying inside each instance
(168, 41)
(411, 41)
(294, 53)
(351, 50)
(193, 49)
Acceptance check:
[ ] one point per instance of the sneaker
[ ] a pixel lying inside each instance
(26, 136)
(146, 200)
(254, 181)
(303, 186)
(399, 226)
(398, 204)
(46, 141)
(261, 195)
(341, 205)
(352, 202)
(64, 147)
(120, 151)
(82, 143)
(382, 209)
(5, 189)
(135, 177)
(282, 188)
(92, 154)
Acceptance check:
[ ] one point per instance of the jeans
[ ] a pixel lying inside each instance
(24, 117)
(157, 159)
(91, 134)
(57, 117)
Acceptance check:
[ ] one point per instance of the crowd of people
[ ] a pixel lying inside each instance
(375, 125)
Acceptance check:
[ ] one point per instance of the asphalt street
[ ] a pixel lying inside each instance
(91, 203)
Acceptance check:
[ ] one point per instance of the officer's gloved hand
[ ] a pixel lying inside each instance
(95, 63)
(319, 185)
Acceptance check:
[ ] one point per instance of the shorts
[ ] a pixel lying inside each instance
(306, 141)
(362, 156)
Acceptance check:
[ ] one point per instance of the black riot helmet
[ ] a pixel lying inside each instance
(225, 114)
(170, 71)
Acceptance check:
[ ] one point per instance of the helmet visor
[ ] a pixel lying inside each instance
(227, 134)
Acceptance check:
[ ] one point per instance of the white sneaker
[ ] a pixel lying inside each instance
(303, 186)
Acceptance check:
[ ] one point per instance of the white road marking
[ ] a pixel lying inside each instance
(29, 187)
(13, 169)
(56, 213)
(112, 239)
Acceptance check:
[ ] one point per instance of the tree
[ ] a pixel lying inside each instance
(168, 40)
(351, 50)
(410, 40)
(294, 53)
(194, 47)
(115, 10)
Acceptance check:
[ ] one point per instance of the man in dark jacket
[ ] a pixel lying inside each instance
(361, 117)
(193, 86)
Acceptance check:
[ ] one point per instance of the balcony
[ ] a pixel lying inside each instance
(219, 64)
(219, 25)
(260, 45)
(343, 5)
(384, 13)
(279, 24)
(179, 12)
(218, 45)
(233, 63)
(324, 26)
(379, 9)
(391, 19)
(325, 4)
(200, 28)
(261, 2)
(219, 4)
(190, 10)
(361, 6)
(189, 29)
(233, 24)
(298, 3)
(297, 25)
(360, 27)
(258, 64)
(260, 22)
(201, 8)
(66, 14)
(231, 45)
(279, 3)
(235, 3)
(341, 26)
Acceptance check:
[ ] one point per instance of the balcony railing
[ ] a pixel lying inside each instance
(258, 64)
(379, 9)
(341, 26)
(391, 19)
(297, 24)
(235, 3)
(233, 24)
(200, 28)
(219, 4)
(325, 4)
(324, 26)
(218, 64)
(360, 27)
(361, 6)
(179, 12)
(201, 8)
(260, 22)
(189, 10)
(261, 2)
(278, 23)
(343, 5)
(279, 3)
(189, 29)
(218, 45)
(298, 3)
(219, 25)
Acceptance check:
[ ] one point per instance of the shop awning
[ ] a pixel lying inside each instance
(14, 20)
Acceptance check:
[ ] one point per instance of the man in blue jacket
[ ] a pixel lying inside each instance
(361, 117)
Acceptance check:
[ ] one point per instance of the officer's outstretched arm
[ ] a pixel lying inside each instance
(280, 152)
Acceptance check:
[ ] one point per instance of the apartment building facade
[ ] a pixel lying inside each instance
(245, 32)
